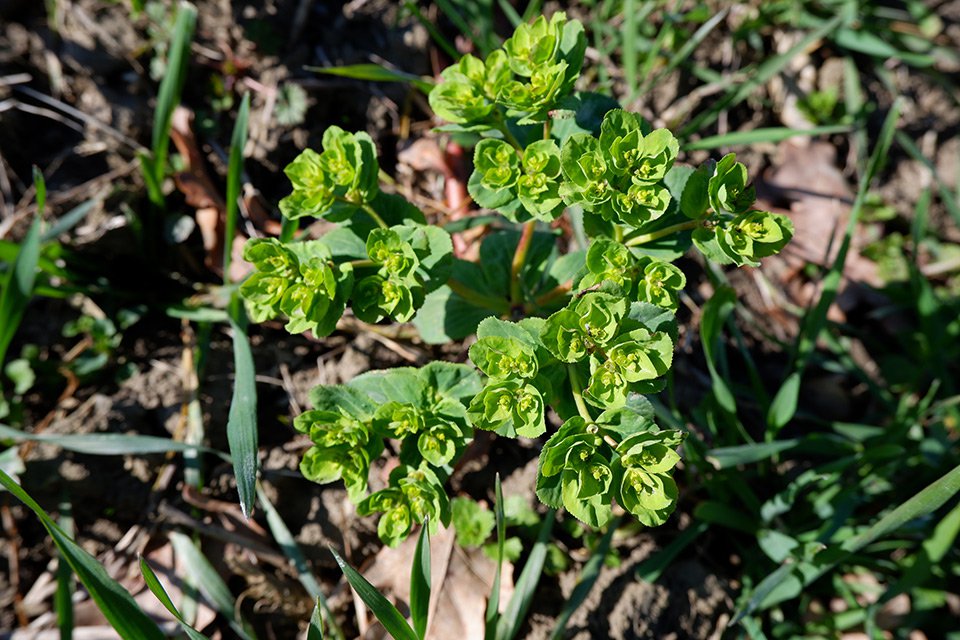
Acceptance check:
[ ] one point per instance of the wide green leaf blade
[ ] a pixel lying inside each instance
(391, 619)
(242, 420)
(420, 582)
(117, 606)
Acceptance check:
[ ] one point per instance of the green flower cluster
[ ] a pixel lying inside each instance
(522, 80)
(639, 277)
(299, 281)
(595, 334)
(512, 401)
(423, 409)
(735, 233)
(505, 179)
(586, 465)
(335, 183)
(620, 175)
(396, 289)
(415, 495)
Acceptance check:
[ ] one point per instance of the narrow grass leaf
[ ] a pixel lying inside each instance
(117, 606)
(69, 220)
(493, 603)
(281, 533)
(315, 630)
(420, 582)
(106, 444)
(391, 619)
(210, 584)
(715, 313)
(760, 75)
(949, 200)
(242, 420)
(588, 577)
(234, 180)
(765, 134)
(63, 597)
(375, 73)
(171, 86)
(18, 282)
(726, 457)
(688, 47)
(516, 611)
(784, 404)
(653, 567)
(156, 588)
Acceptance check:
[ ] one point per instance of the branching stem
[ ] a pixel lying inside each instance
(376, 216)
(519, 258)
(644, 238)
(497, 305)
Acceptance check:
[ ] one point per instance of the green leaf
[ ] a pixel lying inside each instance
(715, 314)
(153, 583)
(447, 317)
(386, 613)
(117, 606)
(420, 583)
(234, 179)
(472, 522)
(211, 585)
(784, 404)
(513, 616)
(726, 457)
(242, 420)
(18, 285)
(106, 444)
(754, 136)
(492, 615)
(375, 73)
(456, 381)
(315, 630)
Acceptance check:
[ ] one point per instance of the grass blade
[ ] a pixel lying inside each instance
(156, 588)
(391, 619)
(784, 403)
(242, 420)
(281, 533)
(211, 585)
(63, 598)
(764, 134)
(431, 28)
(726, 457)
(117, 606)
(493, 604)
(761, 74)
(588, 577)
(171, 86)
(715, 313)
(19, 280)
(420, 582)
(516, 611)
(375, 73)
(688, 47)
(315, 630)
(234, 178)
(106, 444)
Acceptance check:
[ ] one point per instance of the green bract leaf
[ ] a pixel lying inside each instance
(395, 258)
(660, 284)
(754, 235)
(612, 261)
(728, 188)
(504, 358)
(510, 408)
(376, 297)
(416, 495)
(461, 97)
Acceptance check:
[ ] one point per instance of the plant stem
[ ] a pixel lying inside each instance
(376, 216)
(644, 238)
(519, 258)
(618, 232)
(502, 127)
(472, 296)
(357, 264)
(557, 292)
(578, 393)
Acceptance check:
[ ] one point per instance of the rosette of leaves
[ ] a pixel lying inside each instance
(639, 277)
(335, 183)
(343, 447)
(620, 175)
(586, 465)
(298, 280)
(595, 334)
(512, 401)
(415, 495)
